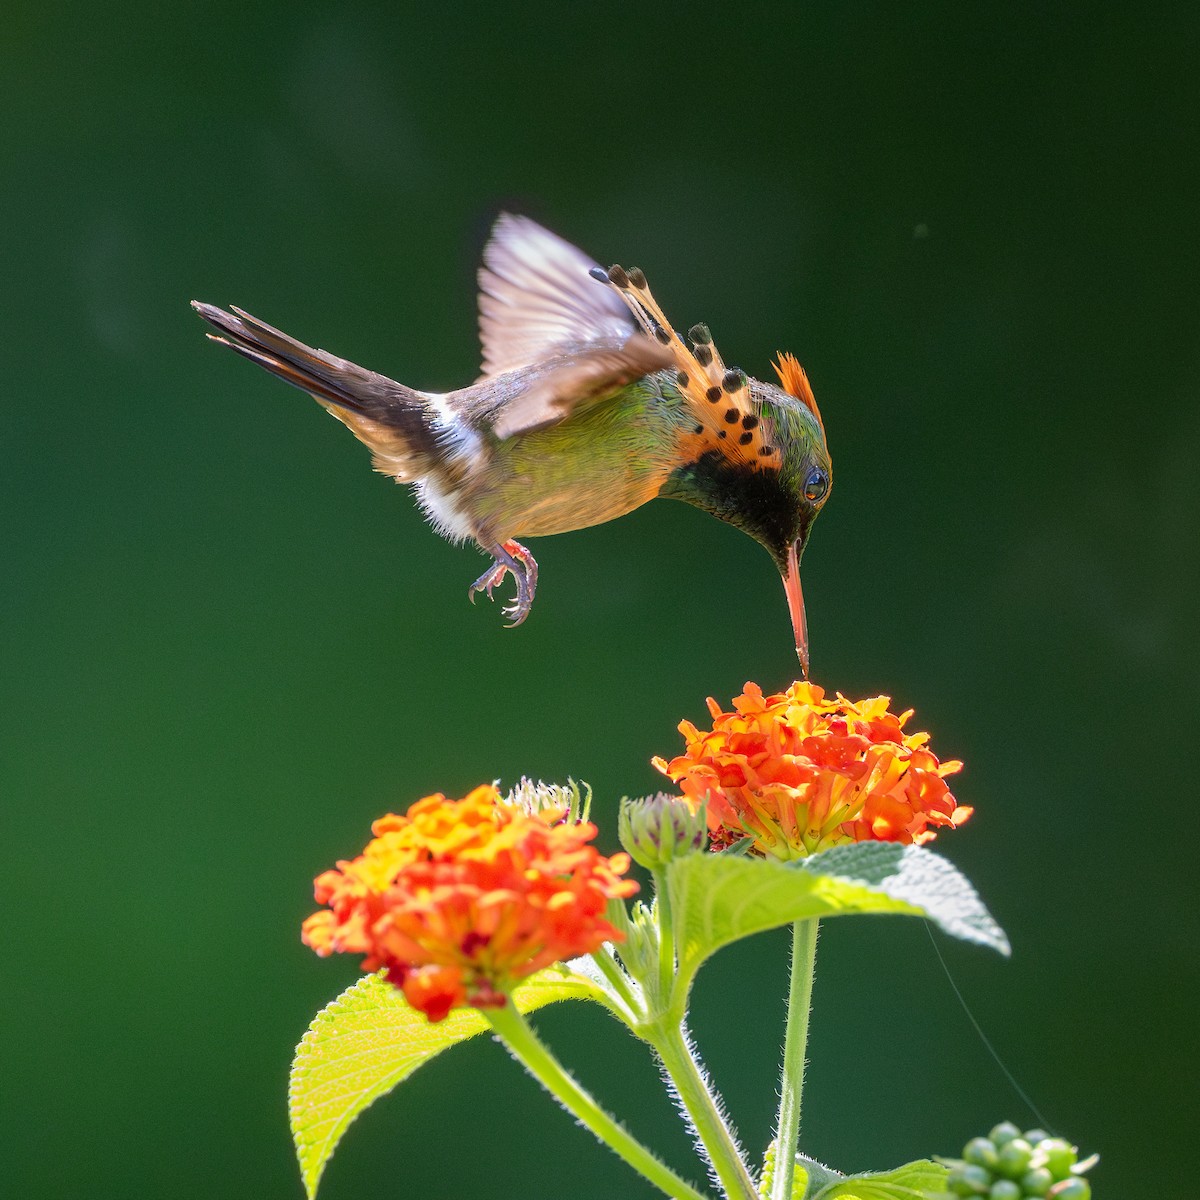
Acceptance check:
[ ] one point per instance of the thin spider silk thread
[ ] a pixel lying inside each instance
(983, 1037)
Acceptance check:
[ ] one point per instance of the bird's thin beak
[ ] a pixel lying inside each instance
(795, 599)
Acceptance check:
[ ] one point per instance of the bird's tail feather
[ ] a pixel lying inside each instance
(393, 420)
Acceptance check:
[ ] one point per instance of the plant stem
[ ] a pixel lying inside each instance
(524, 1045)
(666, 935)
(612, 970)
(787, 1128)
(701, 1105)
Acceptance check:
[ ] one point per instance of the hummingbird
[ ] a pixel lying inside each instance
(588, 405)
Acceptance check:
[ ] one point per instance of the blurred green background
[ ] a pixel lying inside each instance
(227, 645)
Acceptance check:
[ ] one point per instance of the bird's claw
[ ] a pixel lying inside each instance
(511, 558)
(517, 611)
(488, 582)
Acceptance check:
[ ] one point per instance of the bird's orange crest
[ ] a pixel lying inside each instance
(795, 383)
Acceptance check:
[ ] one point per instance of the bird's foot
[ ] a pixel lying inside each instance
(492, 578)
(511, 558)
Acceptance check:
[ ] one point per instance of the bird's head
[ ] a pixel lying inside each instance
(775, 502)
(756, 456)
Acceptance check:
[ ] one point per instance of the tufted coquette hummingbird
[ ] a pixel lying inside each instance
(589, 404)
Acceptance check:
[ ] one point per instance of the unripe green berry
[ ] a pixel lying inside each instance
(1074, 1188)
(1013, 1158)
(1004, 1132)
(1035, 1136)
(1037, 1182)
(1060, 1157)
(982, 1152)
(969, 1180)
(1005, 1189)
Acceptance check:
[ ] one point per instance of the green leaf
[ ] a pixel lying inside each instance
(921, 877)
(369, 1039)
(812, 1177)
(914, 1181)
(718, 898)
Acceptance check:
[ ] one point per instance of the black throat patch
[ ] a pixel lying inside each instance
(753, 500)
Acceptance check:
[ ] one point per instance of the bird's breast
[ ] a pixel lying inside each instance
(593, 467)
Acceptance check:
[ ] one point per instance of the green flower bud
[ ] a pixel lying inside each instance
(1060, 1156)
(982, 1152)
(1005, 1189)
(1035, 1136)
(1004, 1132)
(1013, 1158)
(660, 828)
(1037, 1182)
(969, 1180)
(1074, 1188)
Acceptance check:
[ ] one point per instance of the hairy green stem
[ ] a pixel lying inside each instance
(517, 1034)
(701, 1105)
(787, 1128)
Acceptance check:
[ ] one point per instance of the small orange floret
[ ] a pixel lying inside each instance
(799, 773)
(459, 899)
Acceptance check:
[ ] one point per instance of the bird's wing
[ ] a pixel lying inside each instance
(536, 298)
(728, 418)
(527, 402)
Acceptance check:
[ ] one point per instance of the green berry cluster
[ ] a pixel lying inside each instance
(1010, 1165)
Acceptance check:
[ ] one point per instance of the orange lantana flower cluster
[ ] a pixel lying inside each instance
(799, 773)
(459, 899)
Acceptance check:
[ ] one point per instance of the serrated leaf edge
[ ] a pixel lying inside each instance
(312, 1168)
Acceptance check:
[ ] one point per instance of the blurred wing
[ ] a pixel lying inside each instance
(576, 380)
(537, 300)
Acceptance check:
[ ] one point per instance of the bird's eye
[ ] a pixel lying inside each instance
(816, 485)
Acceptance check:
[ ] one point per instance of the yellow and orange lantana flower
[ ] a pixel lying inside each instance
(457, 900)
(799, 773)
